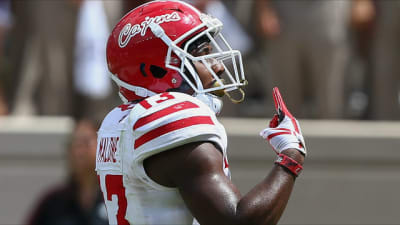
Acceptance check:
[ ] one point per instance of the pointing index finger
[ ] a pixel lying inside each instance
(280, 105)
(281, 108)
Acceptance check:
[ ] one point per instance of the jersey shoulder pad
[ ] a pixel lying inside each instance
(169, 120)
(112, 120)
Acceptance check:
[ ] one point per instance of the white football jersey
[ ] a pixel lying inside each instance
(131, 133)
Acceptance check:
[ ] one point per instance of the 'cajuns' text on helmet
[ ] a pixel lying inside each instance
(148, 52)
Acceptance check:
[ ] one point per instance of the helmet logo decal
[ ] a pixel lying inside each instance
(129, 31)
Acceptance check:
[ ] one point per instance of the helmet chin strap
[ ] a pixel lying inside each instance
(139, 91)
(236, 101)
(122, 97)
(223, 92)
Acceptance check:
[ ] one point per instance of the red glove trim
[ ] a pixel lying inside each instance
(276, 134)
(285, 161)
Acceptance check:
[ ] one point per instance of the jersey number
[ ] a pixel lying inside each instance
(116, 199)
(163, 97)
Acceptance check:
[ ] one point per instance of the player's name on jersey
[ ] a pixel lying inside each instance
(107, 149)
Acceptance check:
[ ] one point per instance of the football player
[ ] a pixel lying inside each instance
(162, 155)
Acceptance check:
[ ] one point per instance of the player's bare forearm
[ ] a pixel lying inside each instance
(214, 199)
(267, 200)
(265, 203)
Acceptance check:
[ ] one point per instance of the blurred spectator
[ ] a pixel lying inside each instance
(91, 78)
(79, 200)
(129, 5)
(363, 15)
(385, 61)
(61, 63)
(307, 53)
(46, 31)
(5, 23)
(90, 70)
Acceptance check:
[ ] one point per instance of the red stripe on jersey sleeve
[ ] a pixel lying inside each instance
(171, 109)
(169, 127)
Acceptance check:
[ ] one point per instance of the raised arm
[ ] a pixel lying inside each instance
(196, 170)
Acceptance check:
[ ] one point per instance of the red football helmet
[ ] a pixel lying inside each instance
(148, 51)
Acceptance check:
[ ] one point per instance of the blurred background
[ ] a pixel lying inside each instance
(336, 62)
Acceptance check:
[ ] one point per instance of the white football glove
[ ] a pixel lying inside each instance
(284, 131)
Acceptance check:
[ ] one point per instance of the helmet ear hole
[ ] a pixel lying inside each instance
(142, 65)
(157, 71)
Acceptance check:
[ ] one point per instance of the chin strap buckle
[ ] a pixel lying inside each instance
(236, 101)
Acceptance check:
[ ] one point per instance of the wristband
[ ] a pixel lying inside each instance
(285, 161)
